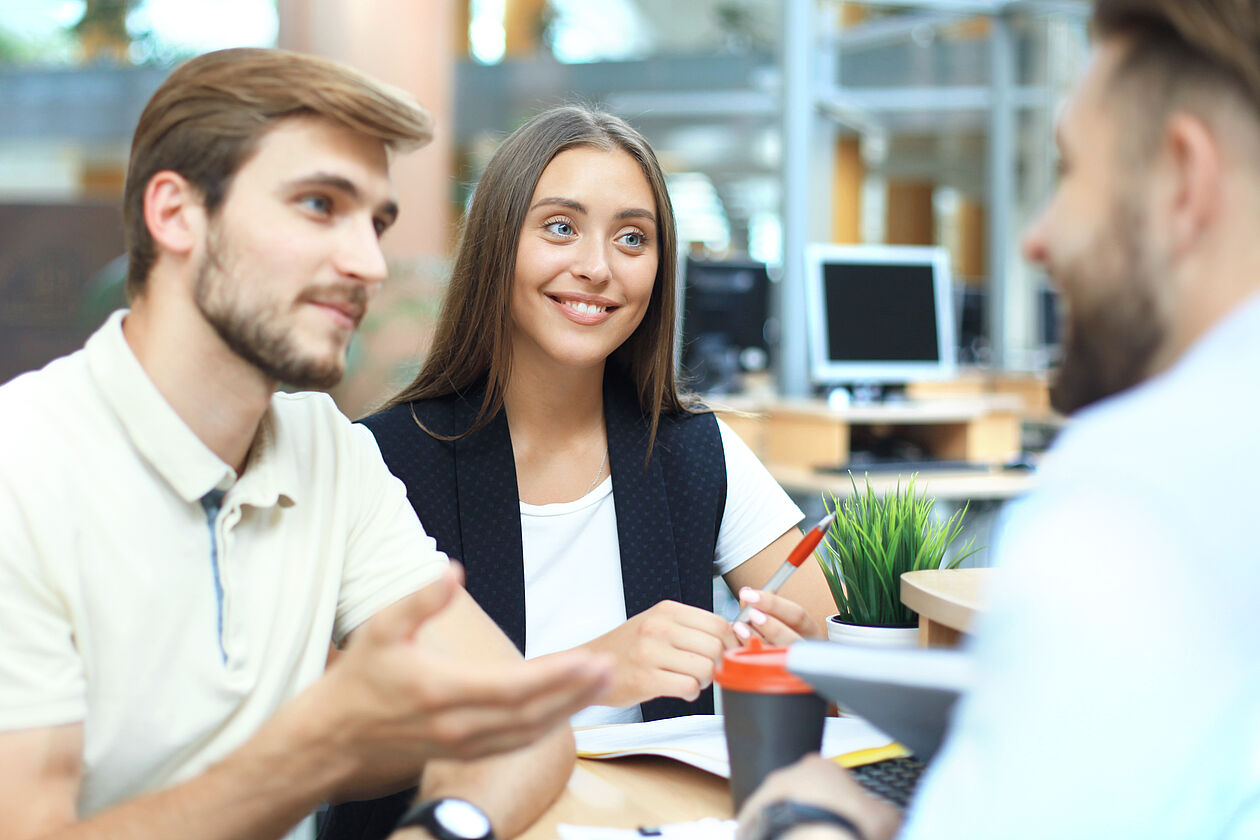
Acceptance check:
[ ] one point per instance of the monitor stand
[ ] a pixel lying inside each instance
(865, 394)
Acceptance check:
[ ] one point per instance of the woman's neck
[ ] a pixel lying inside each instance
(554, 403)
(558, 439)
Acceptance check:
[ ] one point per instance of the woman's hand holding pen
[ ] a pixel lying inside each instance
(668, 650)
(778, 620)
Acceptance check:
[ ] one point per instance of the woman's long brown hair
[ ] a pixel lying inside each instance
(472, 338)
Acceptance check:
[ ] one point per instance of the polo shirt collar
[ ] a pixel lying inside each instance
(164, 440)
(269, 478)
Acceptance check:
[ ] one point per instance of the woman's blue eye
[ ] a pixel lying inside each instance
(634, 240)
(560, 228)
(318, 203)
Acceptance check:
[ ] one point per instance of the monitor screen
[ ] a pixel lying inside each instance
(879, 314)
(724, 327)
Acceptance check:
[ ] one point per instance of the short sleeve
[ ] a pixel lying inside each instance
(41, 671)
(757, 510)
(389, 555)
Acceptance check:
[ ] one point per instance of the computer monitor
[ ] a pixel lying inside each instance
(971, 304)
(724, 328)
(879, 315)
(1049, 327)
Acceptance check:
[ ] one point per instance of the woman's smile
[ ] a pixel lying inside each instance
(583, 309)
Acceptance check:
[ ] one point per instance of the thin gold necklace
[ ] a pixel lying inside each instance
(598, 473)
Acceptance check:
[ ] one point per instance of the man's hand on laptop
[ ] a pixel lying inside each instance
(824, 784)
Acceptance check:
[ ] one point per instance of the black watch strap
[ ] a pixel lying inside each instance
(778, 817)
(449, 819)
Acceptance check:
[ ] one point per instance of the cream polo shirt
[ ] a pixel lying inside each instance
(110, 604)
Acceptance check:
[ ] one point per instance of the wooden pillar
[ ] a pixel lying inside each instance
(102, 31)
(407, 44)
(971, 250)
(970, 29)
(102, 179)
(909, 219)
(848, 172)
(522, 26)
(852, 13)
(459, 34)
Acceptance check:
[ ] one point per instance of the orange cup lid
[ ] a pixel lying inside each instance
(757, 669)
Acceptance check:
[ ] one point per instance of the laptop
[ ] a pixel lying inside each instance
(909, 693)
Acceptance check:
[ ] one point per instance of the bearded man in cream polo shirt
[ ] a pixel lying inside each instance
(179, 543)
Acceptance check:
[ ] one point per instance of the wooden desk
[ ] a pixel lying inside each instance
(1033, 389)
(947, 601)
(805, 433)
(634, 791)
(939, 484)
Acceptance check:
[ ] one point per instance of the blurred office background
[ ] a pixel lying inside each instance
(779, 122)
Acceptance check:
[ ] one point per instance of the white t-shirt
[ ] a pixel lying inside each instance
(573, 589)
(1119, 688)
(109, 613)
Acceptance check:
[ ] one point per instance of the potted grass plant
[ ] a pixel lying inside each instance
(872, 542)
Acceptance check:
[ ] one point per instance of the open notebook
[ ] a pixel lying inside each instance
(699, 740)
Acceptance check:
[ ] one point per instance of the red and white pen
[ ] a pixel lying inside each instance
(803, 549)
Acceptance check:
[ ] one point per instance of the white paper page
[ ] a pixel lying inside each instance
(699, 740)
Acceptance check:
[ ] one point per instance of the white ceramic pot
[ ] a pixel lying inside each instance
(860, 634)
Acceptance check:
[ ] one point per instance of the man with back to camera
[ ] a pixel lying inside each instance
(179, 543)
(1119, 690)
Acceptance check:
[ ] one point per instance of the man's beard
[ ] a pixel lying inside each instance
(261, 334)
(1113, 334)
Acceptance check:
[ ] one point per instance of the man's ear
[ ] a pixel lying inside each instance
(174, 212)
(1194, 160)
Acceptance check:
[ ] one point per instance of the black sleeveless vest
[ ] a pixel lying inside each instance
(465, 493)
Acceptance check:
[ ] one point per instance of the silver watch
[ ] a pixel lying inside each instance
(449, 819)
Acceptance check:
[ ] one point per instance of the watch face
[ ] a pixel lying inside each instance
(462, 819)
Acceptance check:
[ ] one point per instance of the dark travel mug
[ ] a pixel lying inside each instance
(772, 717)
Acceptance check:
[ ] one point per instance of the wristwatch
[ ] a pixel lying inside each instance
(777, 818)
(449, 819)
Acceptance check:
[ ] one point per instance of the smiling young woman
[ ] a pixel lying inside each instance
(546, 446)
(545, 443)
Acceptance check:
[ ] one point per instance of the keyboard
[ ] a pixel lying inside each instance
(875, 467)
(893, 780)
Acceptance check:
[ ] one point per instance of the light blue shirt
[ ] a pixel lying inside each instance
(1120, 663)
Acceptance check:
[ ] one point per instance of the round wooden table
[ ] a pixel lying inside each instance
(947, 601)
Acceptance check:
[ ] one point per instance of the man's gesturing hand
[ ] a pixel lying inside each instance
(399, 694)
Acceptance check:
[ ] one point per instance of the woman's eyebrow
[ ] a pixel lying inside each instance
(637, 213)
(576, 206)
(579, 207)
